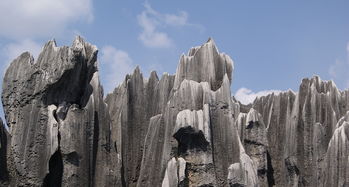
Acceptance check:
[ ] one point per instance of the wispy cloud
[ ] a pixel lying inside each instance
(20, 19)
(246, 96)
(115, 64)
(152, 22)
(24, 22)
(177, 20)
(13, 50)
(339, 70)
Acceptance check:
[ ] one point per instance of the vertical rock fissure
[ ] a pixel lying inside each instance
(178, 174)
(213, 148)
(270, 171)
(95, 147)
(123, 181)
(4, 175)
(54, 177)
(185, 181)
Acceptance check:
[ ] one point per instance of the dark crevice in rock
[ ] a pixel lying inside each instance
(261, 172)
(54, 114)
(54, 177)
(224, 106)
(251, 124)
(206, 185)
(237, 185)
(190, 139)
(62, 110)
(107, 145)
(115, 147)
(185, 182)
(212, 147)
(4, 175)
(95, 146)
(246, 141)
(292, 169)
(123, 181)
(270, 171)
(73, 158)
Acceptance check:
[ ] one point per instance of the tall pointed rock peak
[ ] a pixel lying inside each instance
(204, 64)
(58, 104)
(178, 130)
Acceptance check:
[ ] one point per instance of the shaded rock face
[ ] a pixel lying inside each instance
(59, 124)
(176, 130)
(131, 107)
(4, 142)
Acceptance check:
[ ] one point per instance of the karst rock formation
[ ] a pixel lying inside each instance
(175, 130)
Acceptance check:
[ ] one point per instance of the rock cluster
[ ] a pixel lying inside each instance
(59, 123)
(303, 134)
(176, 130)
(182, 122)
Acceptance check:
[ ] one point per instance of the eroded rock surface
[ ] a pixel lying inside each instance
(300, 127)
(177, 130)
(253, 135)
(59, 124)
(188, 116)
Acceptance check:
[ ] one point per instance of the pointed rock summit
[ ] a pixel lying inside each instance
(204, 64)
(175, 130)
(59, 124)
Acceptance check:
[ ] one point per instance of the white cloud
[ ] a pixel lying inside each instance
(177, 20)
(246, 96)
(151, 22)
(115, 64)
(12, 50)
(41, 18)
(339, 71)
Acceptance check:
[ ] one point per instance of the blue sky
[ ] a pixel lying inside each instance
(274, 44)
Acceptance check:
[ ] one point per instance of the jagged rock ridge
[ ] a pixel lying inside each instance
(303, 130)
(179, 130)
(55, 110)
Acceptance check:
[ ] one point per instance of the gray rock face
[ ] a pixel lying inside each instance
(131, 107)
(254, 137)
(4, 141)
(58, 121)
(181, 123)
(302, 133)
(179, 130)
(337, 158)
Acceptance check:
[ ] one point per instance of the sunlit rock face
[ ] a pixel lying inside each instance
(182, 122)
(171, 130)
(254, 138)
(304, 132)
(59, 124)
